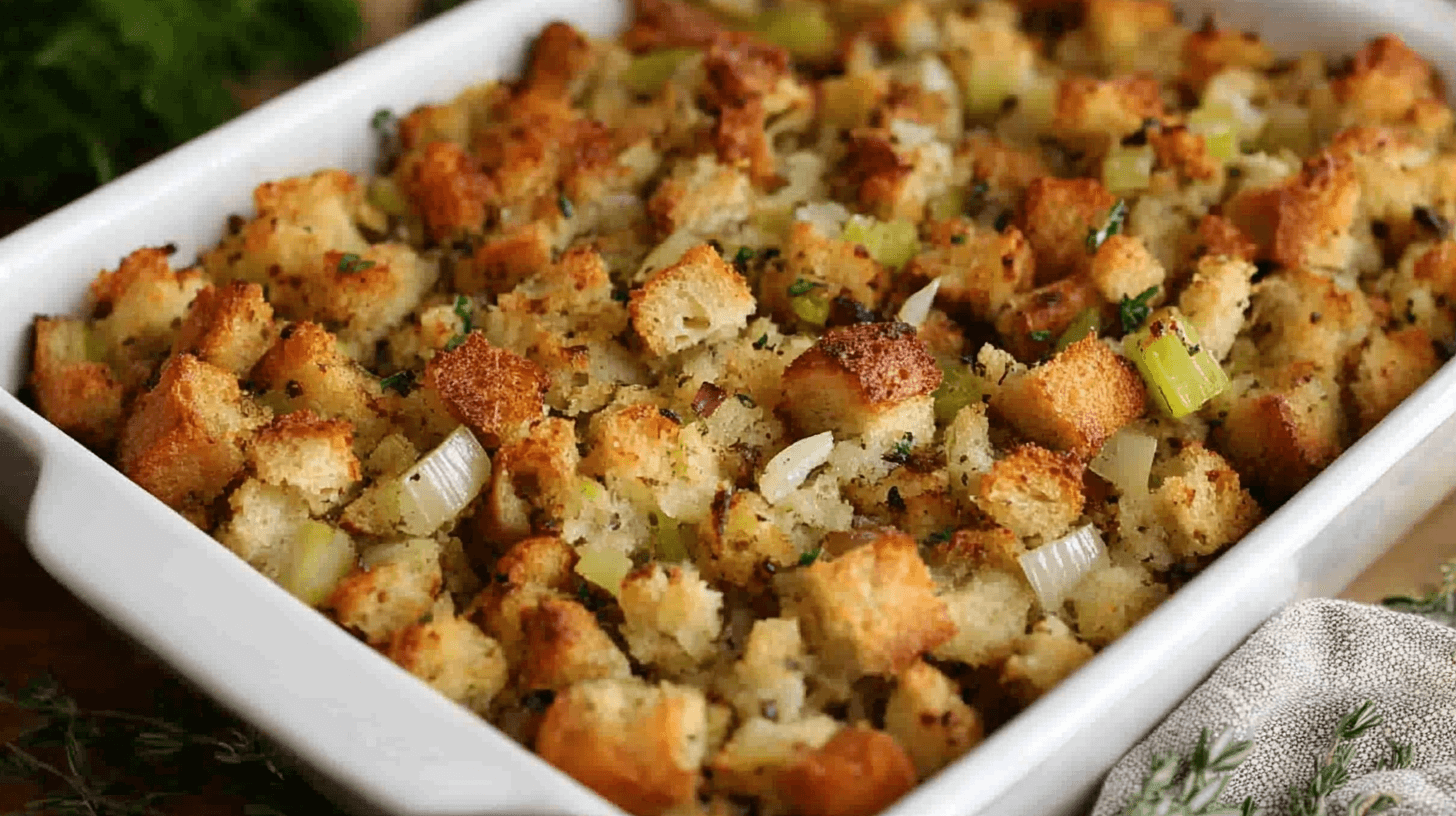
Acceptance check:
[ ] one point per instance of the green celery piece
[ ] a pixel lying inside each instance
(802, 29)
(648, 73)
(959, 387)
(1087, 323)
(812, 308)
(672, 540)
(1179, 382)
(386, 195)
(1127, 169)
(891, 243)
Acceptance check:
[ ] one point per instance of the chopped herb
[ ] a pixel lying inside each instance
(904, 445)
(895, 500)
(1040, 335)
(743, 256)
(761, 342)
(940, 536)
(467, 323)
(401, 381)
(1115, 218)
(958, 238)
(564, 204)
(1432, 220)
(382, 120)
(350, 263)
(1003, 221)
(620, 295)
(670, 415)
(1133, 311)
(802, 287)
(810, 557)
(746, 400)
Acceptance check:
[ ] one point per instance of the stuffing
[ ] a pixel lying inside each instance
(872, 610)
(454, 657)
(698, 299)
(506, 259)
(1211, 50)
(496, 393)
(858, 772)
(361, 295)
(1093, 114)
(762, 750)
(989, 614)
(1202, 504)
(394, 586)
(1056, 217)
(138, 308)
(1216, 235)
(229, 326)
(1282, 429)
(1215, 299)
(1043, 658)
(895, 181)
(309, 453)
(970, 550)
(1032, 320)
(705, 197)
(532, 482)
(184, 440)
(928, 718)
(263, 527)
(79, 395)
(646, 452)
(740, 543)
(1075, 401)
(1391, 366)
(563, 645)
(979, 270)
(1123, 268)
(1385, 80)
(304, 369)
(768, 681)
(1422, 289)
(672, 617)
(968, 451)
(824, 266)
(856, 374)
(1033, 492)
(1110, 599)
(637, 745)
(1299, 315)
(1305, 220)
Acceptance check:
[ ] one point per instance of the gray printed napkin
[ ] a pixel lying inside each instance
(1287, 687)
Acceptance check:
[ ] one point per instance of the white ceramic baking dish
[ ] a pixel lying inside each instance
(387, 743)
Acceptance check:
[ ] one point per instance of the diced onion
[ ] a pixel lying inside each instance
(605, 568)
(827, 216)
(911, 134)
(442, 483)
(321, 556)
(784, 473)
(1054, 568)
(933, 75)
(1126, 460)
(917, 307)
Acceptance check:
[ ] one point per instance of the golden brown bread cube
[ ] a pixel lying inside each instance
(739, 541)
(671, 617)
(454, 657)
(184, 440)
(310, 453)
(990, 614)
(768, 680)
(698, 299)
(1392, 365)
(1033, 492)
(559, 57)
(394, 586)
(448, 189)
(1210, 50)
(1301, 315)
(833, 268)
(1386, 79)
(979, 269)
(1110, 599)
(1215, 299)
(1043, 659)
(1056, 217)
(873, 610)
(971, 550)
(895, 182)
(305, 369)
(1184, 152)
(505, 259)
(1076, 400)
(1201, 503)
(359, 295)
(855, 373)
(532, 569)
(531, 481)
(1305, 220)
(761, 750)
(564, 645)
(928, 718)
(639, 746)
(78, 395)
(859, 772)
(1282, 434)
(1124, 268)
(138, 307)
(1033, 320)
(229, 326)
(1093, 114)
(496, 393)
(702, 196)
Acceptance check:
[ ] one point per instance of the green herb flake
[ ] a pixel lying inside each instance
(382, 120)
(743, 256)
(940, 536)
(1040, 335)
(802, 287)
(620, 295)
(564, 204)
(808, 558)
(1133, 311)
(1112, 226)
(958, 238)
(746, 400)
(350, 263)
(761, 342)
(402, 382)
(463, 311)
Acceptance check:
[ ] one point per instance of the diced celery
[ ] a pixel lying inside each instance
(95, 345)
(949, 204)
(801, 28)
(987, 89)
(1219, 129)
(386, 195)
(892, 243)
(605, 568)
(1088, 322)
(321, 557)
(960, 387)
(648, 73)
(1180, 375)
(1037, 101)
(1288, 128)
(1127, 170)
(811, 307)
(673, 538)
(773, 221)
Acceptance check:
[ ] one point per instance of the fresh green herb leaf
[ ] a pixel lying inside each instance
(463, 311)
(958, 238)
(1439, 605)
(620, 295)
(761, 342)
(402, 382)
(350, 263)
(747, 401)
(382, 120)
(899, 453)
(808, 558)
(802, 287)
(1112, 226)
(1205, 773)
(743, 256)
(564, 204)
(940, 536)
(1040, 335)
(1133, 311)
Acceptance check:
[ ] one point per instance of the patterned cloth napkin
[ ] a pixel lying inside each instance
(1288, 687)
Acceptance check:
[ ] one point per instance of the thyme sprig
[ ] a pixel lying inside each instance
(1438, 605)
(1334, 769)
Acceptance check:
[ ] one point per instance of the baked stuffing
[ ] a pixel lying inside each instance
(701, 407)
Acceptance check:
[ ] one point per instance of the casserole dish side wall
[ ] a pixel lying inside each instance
(393, 743)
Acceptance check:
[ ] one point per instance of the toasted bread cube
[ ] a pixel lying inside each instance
(1305, 220)
(1392, 366)
(184, 440)
(703, 196)
(1215, 299)
(831, 266)
(639, 746)
(532, 481)
(139, 307)
(927, 716)
(1185, 153)
(768, 681)
(1422, 290)
(506, 259)
(497, 393)
(447, 187)
(970, 551)
(229, 326)
(564, 645)
(1202, 505)
(560, 57)
(1033, 492)
(1110, 599)
(672, 617)
(990, 615)
(1385, 81)
(1284, 433)
(1043, 659)
(1056, 217)
(78, 395)
(541, 571)
(1309, 317)
(1123, 268)
(761, 750)
(1120, 26)
(1217, 236)
(454, 657)
(394, 586)
(979, 271)
(872, 610)
(650, 456)
(307, 452)
(1032, 320)
(1093, 114)
(740, 541)
(968, 451)
(855, 373)
(859, 772)
(1075, 401)
(362, 295)
(1209, 51)
(305, 370)
(698, 299)
(263, 527)
(895, 181)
